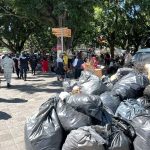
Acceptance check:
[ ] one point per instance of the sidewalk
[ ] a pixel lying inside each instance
(19, 102)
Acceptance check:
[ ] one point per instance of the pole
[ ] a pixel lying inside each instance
(62, 40)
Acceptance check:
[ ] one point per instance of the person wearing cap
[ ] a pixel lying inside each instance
(7, 65)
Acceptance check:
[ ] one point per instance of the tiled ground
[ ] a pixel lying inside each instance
(19, 102)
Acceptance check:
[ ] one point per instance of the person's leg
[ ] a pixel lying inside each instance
(9, 79)
(21, 72)
(25, 74)
(5, 74)
(17, 72)
(79, 72)
(34, 70)
(76, 74)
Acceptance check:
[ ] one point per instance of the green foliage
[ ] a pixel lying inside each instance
(123, 23)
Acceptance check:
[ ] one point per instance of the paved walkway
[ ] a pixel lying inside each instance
(19, 102)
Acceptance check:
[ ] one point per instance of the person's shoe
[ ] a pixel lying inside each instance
(8, 85)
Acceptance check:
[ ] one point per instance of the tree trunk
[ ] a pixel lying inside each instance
(112, 49)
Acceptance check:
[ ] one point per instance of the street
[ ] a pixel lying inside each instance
(21, 101)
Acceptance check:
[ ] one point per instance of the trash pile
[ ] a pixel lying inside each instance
(94, 114)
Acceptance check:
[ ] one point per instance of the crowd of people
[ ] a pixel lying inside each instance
(64, 65)
(21, 64)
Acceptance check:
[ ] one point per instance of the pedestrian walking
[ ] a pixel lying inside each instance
(23, 61)
(33, 64)
(44, 63)
(7, 65)
(16, 62)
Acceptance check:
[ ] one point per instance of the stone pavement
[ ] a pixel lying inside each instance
(20, 102)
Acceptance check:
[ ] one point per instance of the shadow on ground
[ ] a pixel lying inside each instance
(30, 89)
(14, 100)
(4, 116)
(35, 80)
(56, 83)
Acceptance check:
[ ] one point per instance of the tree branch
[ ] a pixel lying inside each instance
(7, 45)
(9, 13)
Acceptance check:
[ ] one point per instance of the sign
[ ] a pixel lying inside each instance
(61, 32)
(58, 32)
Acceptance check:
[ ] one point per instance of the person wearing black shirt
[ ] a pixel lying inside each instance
(23, 67)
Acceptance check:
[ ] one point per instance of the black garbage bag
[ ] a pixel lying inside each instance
(122, 135)
(119, 141)
(142, 127)
(68, 85)
(84, 138)
(70, 118)
(130, 109)
(123, 71)
(109, 101)
(43, 130)
(90, 105)
(91, 84)
(130, 86)
(147, 91)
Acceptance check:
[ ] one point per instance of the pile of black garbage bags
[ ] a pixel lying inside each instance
(105, 115)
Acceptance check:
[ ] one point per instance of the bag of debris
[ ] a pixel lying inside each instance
(142, 127)
(129, 109)
(68, 85)
(110, 102)
(84, 138)
(130, 86)
(70, 118)
(119, 141)
(43, 130)
(91, 84)
(123, 71)
(147, 91)
(90, 105)
(144, 101)
(107, 81)
(122, 135)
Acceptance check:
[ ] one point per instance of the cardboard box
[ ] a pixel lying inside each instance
(98, 72)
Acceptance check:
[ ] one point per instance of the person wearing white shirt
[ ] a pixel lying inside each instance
(7, 65)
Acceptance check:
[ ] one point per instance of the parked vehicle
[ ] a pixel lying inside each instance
(141, 58)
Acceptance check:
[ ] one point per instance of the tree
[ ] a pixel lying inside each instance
(14, 31)
(124, 23)
(41, 39)
(75, 14)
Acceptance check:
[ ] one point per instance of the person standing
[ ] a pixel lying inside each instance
(60, 68)
(7, 65)
(23, 66)
(77, 64)
(33, 64)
